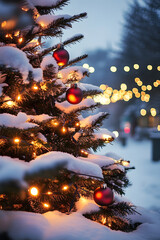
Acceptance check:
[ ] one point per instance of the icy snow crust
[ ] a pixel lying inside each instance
(58, 226)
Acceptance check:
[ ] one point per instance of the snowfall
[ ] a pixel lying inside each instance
(144, 193)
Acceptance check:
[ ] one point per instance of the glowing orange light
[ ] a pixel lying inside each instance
(125, 163)
(103, 220)
(20, 40)
(46, 205)
(77, 124)
(3, 24)
(55, 123)
(35, 87)
(65, 188)
(64, 130)
(17, 140)
(99, 195)
(19, 97)
(49, 193)
(34, 191)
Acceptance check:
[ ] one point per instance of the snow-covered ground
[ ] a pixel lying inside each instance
(145, 179)
(58, 226)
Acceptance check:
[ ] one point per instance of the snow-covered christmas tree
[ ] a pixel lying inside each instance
(52, 186)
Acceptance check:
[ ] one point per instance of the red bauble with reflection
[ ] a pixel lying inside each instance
(61, 56)
(74, 94)
(103, 196)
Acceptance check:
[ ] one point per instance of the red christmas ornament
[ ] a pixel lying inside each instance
(74, 94)
(103, 196)
(61, 56)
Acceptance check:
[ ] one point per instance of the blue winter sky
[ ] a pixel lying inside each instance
(102, 28)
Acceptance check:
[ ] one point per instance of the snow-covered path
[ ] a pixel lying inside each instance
(145, 179)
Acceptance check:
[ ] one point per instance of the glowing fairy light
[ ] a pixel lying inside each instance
(46, 205)
(16, 140)
(65, 188)
(126, 68)
(86, 65)
(125, 163)
(49, 193)
(34, 191)
(123, 86)
(149, 67)
(103, 220)
(103, 86)
(116, 133)
(158, 128)
(113, 69)
(18, 97)
(64, 130)
(20, 40)
(55, 123)
(136, 66)
(106, 137)
(35, 87)
(91, 69)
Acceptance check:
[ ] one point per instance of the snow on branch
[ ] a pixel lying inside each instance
(45, 20)
(19, 121)
(11, 57)
(92, 120)
(71, 74)
(69, 108)
(13, 169)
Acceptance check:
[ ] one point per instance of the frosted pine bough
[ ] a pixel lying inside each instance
(47, 171)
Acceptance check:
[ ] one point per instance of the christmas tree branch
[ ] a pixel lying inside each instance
(48, 9)
(72, 62)
(72, 40)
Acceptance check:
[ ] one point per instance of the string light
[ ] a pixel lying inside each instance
(49, 193)
(136, 66)
(34, 191)
(77, 124)
(158, 127)
(20, 40)
(149, 87)
(65, 188)
(9, 36)
(149, 67)
(153, 112)
(158, 68)
(123, 86)
(113, 69)
(85, 65)
(35, 87)
(46, 205)
(91, 69)
(3, 24)
(103, 220)
(125, 163)
(18, 97)
(55, 123)
(116, 133)
(126, 68)
(64, 130)
(144, 88)
(103, 86)
(10, 103)
(85, 153)
(16, 140)
(107, 137)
